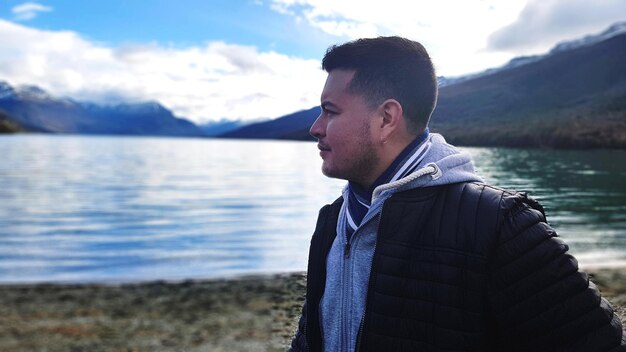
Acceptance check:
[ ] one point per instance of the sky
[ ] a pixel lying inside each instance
(208, 60)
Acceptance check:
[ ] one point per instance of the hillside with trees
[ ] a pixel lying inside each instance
(572, 98)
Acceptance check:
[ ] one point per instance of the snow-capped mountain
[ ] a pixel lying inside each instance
(6, 91)
(32, 93)
(613, 30)
(37, 110)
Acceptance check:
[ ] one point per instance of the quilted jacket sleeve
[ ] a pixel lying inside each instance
(539, 299)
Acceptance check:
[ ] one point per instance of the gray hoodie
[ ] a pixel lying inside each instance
(342, 307)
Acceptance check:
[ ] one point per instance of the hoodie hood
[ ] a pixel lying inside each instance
(442, 164)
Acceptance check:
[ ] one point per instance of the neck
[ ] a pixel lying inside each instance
(396, 156)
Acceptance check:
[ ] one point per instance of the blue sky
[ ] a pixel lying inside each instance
(177, 23)
(250, 59)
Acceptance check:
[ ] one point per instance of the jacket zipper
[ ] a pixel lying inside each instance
(369, 284)
(344, 316)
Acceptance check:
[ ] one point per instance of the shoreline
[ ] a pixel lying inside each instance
(244, 313)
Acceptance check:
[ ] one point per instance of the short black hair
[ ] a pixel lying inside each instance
(389, 68)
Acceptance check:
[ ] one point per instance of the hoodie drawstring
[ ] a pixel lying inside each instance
(431, 169)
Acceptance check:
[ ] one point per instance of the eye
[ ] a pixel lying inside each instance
(329, 112)
(329, 109)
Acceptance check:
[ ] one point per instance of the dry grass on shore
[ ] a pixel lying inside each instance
(246, 314)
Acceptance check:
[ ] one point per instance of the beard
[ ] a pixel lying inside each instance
(358, 166)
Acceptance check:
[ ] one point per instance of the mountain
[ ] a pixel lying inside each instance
(292, 126)
(572, 97)
(216, 128)
(149, 118)
(613, 30)
(36, 110)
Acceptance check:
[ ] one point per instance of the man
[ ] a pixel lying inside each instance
(418, 254)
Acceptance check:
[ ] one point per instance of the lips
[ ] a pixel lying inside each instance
(324, 149)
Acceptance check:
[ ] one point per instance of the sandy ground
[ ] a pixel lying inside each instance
(243, 314)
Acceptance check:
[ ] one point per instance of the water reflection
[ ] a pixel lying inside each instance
(78, 208)
(107, 208)
(583, 193)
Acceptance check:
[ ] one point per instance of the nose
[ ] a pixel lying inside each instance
(318, 129)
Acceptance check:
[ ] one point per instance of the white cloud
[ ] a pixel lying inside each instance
(542, 23)
(29, 10)
(220, 79)
(454, 32)
(213, 81)
(459, 34)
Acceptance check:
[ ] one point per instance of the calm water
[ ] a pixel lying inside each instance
(76, 208)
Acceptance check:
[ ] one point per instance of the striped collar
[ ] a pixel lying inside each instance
(359, 198)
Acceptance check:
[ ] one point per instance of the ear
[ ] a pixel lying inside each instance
(392, 119)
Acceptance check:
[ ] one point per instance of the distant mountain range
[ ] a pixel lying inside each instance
(615, 29)
(29, 108)
(217, 128)
(572, 97)
(293, 126)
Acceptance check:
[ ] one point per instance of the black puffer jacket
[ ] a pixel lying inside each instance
(466, 267)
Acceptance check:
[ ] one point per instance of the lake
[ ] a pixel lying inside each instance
(119, 209)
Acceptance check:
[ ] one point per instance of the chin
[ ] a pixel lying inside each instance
(329, 172)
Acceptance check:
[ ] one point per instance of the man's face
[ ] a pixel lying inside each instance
(344, 132)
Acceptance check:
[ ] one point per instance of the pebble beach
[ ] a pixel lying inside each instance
(257, 313)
